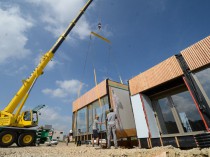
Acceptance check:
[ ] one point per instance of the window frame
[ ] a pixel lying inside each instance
(167, 94)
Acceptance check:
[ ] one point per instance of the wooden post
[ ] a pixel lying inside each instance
(177, 142)
(161, 141)
(139, 141)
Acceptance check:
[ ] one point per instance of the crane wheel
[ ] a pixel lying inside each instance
(26, 139)
(7, 138)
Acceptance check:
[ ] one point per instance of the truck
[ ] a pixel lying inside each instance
(16, 126)
(44, 135)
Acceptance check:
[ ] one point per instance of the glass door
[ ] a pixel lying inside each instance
(165, 115)
(188, 113)
(177, 113)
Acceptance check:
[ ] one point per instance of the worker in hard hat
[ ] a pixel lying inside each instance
(96, 130)
(70, 136)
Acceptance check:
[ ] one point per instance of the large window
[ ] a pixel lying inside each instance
(81, 120)
(166, 118)
(90, 118)
(88, 114)
(122, 107)
(105, 109)
(177, 113)
(100, 110)
(204, 78)
(188, 113)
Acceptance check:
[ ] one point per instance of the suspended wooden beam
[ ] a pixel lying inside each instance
(99, 36)
(97, 90)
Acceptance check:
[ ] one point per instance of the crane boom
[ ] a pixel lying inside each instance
(19, 96)
(23, 93)
(14, 126)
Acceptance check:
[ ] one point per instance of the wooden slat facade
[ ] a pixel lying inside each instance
(198, 55)
(163, 72)
(92, 95)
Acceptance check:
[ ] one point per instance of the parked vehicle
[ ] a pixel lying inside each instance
(51, 142)
(14, 124)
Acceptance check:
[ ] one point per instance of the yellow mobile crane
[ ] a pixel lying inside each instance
(15, 126)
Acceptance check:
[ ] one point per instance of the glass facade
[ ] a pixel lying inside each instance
(187, 111)
(81, 120)
(166, 118)
(99, 110)
(85, 116)
(204, 78)
(177, 113)
(90, 118)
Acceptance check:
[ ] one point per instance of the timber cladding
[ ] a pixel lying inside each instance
(89, 97)
(162, 72)
(117, 85)
(197, 55)
(126, 133)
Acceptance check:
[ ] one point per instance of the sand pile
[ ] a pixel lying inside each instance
(61, 150)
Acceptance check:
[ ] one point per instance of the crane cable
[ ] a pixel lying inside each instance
(95, 77)
(84, 69)
(83, 76)
(99, 28)
(114, 64)
(97, 89)
(96, 84)
(94, 70)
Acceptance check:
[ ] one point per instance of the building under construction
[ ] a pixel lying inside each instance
(108, 94)
(169, 104)
(170, 101)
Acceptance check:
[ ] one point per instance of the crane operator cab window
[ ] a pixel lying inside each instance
(35, 117)
(27, 116)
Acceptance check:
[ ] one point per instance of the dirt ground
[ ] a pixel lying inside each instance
(61, 150)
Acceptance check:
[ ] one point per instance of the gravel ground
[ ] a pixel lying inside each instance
(61, 150)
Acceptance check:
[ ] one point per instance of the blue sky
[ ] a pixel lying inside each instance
(143, 33)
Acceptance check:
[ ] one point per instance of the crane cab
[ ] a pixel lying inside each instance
(28, 119)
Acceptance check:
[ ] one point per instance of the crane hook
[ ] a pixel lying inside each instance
(99, 26)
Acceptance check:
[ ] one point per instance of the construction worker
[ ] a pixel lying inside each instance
(95, 130)
(70, 136)
(111, 125)
(67, 140)
(79, 137)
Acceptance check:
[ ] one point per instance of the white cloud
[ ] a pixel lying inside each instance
(21, 69)
(55, 93)
(57, 15)
(65, 88)
(13, 28)
(184, 103)
(83, 30)
(204, 78)
(52, 116)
